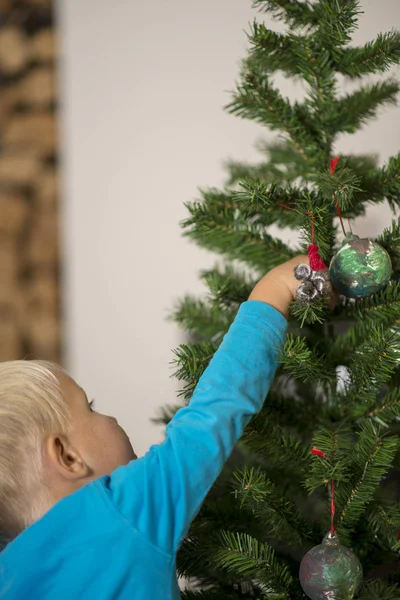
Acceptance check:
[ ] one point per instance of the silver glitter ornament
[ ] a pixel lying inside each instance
(315, 284)
(303, 272)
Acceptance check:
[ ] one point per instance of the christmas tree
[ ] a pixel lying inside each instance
(337, 389)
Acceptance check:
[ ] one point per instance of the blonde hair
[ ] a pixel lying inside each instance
(31, 406)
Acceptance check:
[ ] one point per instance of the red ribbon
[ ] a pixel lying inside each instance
(316, 262)
(316, 452)
(333, 164)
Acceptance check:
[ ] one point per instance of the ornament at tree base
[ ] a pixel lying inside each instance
(330, 571)
(361, 267)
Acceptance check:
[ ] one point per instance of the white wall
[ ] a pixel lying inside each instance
(143, 85)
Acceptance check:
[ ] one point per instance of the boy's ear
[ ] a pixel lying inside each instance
(65, 459)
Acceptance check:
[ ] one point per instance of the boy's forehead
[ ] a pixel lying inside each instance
(71, 391)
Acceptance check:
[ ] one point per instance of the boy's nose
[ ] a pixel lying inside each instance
(113, 419)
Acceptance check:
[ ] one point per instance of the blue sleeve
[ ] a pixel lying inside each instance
(161, 493)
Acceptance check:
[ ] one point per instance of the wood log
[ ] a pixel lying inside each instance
(9, 100)
(42, 248)
(47, 189)
(6, 5)
(36, 299)
(10, 338)
(38, 87)
(13, 50)
(42, 295)
(17, 296)
(43, 46)
(43, 335)
(39, 3)
(14, 212)
(9, 265)
(35, 132)
(19, 169)
(10, 96)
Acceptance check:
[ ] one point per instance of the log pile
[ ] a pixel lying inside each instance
(30, 311)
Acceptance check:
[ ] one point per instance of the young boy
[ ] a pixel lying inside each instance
(85, 519)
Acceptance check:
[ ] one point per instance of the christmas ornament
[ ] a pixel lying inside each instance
(315, 277)
(330, 571)
(361, 267)
(315, 284)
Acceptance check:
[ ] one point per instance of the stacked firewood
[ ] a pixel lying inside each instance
(30, 314)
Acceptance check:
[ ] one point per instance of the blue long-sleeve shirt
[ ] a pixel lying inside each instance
(117, 537)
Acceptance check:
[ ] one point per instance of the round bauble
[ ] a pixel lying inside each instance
(361, 267)
(330, 571)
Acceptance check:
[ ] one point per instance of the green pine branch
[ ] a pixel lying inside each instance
(281, 162)
(226, 230)
(202, 318)
(382, 308)
(260, 495)
(358, 175)
(396, 547)
(303, 363)
(191, 361)
(255, 197)
(386, 410)
(336, 22)
(228, 287)
(379, 590)
(265, 172)
(384, 524)
(276, 51)
(379, 310)
(337, 445)
(376, 56)
(256, 99)
(211, 318)
(194, 559)
(284, 154)
(371, 355)
(390, 240)
(373, 365)
(365, 169)
(246, 556)
(372, 456)
(349, 113)
(341, 185)
(280, 410)
(208, 595)
(294, 55)
(293, 12)
(265, 438)
(391, 181)
(310, 314)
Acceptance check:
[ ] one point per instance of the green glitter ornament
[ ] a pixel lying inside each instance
(361, 267)
(330, 571)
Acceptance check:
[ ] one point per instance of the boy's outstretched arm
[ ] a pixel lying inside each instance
(161, 493)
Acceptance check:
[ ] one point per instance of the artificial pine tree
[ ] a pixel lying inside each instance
(272, 502)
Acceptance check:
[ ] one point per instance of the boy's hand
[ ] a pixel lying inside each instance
(278, 287)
